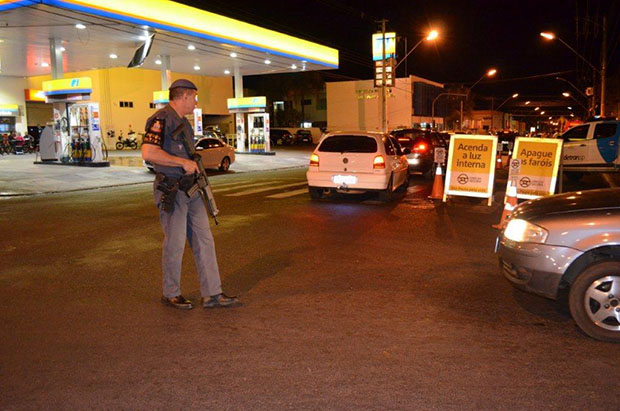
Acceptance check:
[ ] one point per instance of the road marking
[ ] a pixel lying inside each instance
(260, 190)
(221, 190)
(289, 193)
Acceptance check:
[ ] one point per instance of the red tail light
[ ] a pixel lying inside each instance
(314, 160)
(420, 148)
(378, 162)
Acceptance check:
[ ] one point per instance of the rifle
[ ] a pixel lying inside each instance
(202, 181)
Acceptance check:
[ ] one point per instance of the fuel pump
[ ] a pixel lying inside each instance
(258, 132)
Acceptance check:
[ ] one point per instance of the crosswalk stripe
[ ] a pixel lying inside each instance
(221, 190)
(289, 193)
(260, 190)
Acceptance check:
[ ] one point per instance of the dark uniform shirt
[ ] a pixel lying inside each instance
(159, 128)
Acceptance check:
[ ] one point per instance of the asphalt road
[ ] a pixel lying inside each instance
(349, 303)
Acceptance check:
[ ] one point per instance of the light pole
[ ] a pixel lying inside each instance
(589, 110)
(432, 35)
(515, 95)
(446, 94)
(567, 95)
(602, 71)
(489, 73)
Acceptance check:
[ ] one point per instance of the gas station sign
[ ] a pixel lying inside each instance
(80, 85)
(247, 104)
(471, 166)
(377, 45)
(9, 109)
(539, 160)
(34, 95)
(161, 97)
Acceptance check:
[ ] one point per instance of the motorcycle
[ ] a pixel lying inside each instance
(130, 141)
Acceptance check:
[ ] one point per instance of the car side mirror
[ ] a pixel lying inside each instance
(406, 151)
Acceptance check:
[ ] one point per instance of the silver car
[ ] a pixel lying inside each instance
(569, 243)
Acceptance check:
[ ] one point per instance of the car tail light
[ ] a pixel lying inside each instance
(420, 148)
(314, 160)
(378, 162)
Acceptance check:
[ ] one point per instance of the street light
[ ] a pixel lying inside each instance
(489, 73)
(432, 35)
(602, 71)
(527, 102)
(567, 94)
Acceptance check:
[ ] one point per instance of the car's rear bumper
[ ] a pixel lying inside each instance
(535, 268)
(365, 181)
(419, 163)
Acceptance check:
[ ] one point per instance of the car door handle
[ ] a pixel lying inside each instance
(582, 145)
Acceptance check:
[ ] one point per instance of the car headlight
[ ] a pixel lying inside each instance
(525, 232)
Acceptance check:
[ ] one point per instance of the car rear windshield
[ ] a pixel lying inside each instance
(349, 144)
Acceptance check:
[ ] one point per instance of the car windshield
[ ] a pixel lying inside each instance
(349, 144)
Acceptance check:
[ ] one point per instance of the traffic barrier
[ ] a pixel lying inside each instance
(437, 193)
(511, 203)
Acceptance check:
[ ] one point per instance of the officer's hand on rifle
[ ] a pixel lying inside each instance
(190, 167)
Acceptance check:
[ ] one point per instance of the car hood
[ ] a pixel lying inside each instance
(569, 202)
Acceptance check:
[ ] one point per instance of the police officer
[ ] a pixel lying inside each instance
(181, 217)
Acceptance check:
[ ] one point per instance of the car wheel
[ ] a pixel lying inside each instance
(315, 193)
(388, 194)
(594, 300)
(225, 165)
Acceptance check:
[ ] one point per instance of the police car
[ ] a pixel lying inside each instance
(592, 146)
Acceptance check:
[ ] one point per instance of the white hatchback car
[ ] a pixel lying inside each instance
(357, 161)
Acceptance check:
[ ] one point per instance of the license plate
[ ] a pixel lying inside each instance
(348, 180)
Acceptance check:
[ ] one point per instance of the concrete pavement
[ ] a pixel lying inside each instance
(19, 176)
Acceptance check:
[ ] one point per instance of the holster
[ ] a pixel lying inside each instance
(186, 183)
(169, 188)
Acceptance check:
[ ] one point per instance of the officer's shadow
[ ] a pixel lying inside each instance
(244, 279)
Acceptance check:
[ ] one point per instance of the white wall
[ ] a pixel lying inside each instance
(355, 105)
(12, 92)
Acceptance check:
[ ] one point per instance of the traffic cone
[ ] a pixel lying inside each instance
(511, 203)
(437, 193)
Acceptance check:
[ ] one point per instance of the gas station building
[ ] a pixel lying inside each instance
(43, 42)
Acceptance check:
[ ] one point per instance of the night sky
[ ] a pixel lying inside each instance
(475, 35)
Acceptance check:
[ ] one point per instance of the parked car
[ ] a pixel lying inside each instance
(303, 136)
(357, 161)
(569, 245)
(422, 145)
(214, 153)
(593, 146)
(279, 137)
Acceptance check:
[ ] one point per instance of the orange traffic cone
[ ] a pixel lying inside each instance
(511, 203)
(437, 193)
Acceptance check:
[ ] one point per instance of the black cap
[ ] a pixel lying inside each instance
(182, 83)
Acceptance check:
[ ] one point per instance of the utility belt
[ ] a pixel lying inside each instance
(170, 186)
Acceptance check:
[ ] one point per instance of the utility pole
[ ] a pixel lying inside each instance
(603, 66)
(383, 88)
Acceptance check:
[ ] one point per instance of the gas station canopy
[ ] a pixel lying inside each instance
(98, 34)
